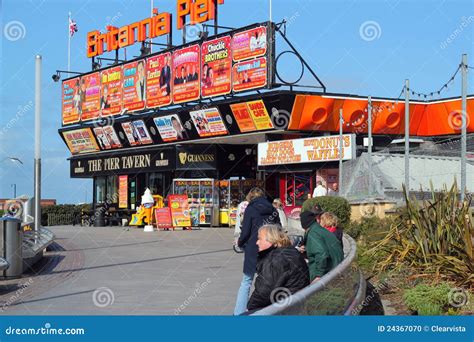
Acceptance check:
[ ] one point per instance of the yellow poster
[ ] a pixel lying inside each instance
(259, 115)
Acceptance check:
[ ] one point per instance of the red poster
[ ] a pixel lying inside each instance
(216, 67)
(134, 85)
(71, 101)
(123, 191)
(186, 72)
(208, 122)
(131, 133)
(158, 81)
(111, 91)
(250, 43)
(163, 218)
(242, 116)
(90, 96)
(250, 75)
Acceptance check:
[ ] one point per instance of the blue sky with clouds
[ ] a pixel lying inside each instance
(357, 47)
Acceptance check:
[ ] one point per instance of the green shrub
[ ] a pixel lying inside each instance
(372, 229)
(337, 205)
(63, 213)
(428, 300)
(2, 212)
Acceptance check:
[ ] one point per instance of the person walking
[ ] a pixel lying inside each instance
(259, 212)
(281, 269)
(278, 205)
(320, 190)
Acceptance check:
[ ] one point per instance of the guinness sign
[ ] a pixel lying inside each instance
(196, 157)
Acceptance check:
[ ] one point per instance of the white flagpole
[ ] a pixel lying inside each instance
(151, 40)
(270, 10)
(69, 43)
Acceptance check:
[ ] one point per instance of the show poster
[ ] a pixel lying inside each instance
(170, 128)
(250, 74)
(216, 67)
(158, 81)
(123, 191)
(142, 131)
(131, 133)
(71, 101)
(90, 96)
(179, 210)
(186, 74)
(306, 150)
(111, 91)
(101, 138)
(243, 117)
(208, 122)
(259, 115)
(111, 136)
(249, 44)
(134, 85)
(80, 141)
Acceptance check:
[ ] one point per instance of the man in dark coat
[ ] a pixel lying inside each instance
(258, 212)
(281, 269)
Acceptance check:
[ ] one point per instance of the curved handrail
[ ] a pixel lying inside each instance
(3, 264)
(295, 302)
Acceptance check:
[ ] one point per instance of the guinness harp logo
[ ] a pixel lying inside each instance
(182, 157)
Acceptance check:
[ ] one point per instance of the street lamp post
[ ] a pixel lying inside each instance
(14, 190)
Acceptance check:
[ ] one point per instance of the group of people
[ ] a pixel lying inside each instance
(270, 254)
(186, 75)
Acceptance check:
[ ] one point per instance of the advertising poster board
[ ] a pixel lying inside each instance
(142, 131)
(208, 122)
(179, 210)
(158, 80)
(80, 141)
(111, 91)
(123, 191)
(131, 133)
(250, 74)
(249, 44)
(90, 96)
(170, 128)
(111, 136)
(243, 117)
(216, 62)
(101, 138)
(71, 101)
(163, 218)
(186, 74)
(134, 85)
(306, 150)
(259, 115)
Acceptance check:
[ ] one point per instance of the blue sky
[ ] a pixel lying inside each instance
(358, 47)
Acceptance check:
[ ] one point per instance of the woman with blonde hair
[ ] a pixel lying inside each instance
(278, 205)
(281, 269)
(258, 212)
(331, 222)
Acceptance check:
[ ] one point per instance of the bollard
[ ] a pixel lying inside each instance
(11, 244)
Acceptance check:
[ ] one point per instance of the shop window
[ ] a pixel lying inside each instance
(298, 188)
(100, 190)
(156, 183)
(112, 189)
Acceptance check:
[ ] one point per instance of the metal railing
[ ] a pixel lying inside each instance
(35, 242)
(339, 292)
(3, 264)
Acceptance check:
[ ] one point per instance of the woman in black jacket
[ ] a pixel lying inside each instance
(281, 269)
(258, 213)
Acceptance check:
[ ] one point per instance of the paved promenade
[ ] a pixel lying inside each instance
(112, 271)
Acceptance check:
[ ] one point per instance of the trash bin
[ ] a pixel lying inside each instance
(99, 217)
(11, 244)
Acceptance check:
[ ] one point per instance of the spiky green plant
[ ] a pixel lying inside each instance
(433, 237)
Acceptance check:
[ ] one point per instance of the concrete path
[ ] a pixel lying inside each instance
(112, 271)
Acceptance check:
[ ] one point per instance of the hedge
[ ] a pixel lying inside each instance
(337, 205)
(66, 211)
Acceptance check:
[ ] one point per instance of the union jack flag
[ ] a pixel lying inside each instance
(72, 27)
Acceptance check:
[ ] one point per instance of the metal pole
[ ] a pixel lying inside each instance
(464, 123)
(341, 141)
(14, 190)
(270, 10)
(407, 137)
(151, 15)
(369, 109)
(38, 143)
(69, 43)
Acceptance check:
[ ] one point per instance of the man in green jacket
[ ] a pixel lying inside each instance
(322, 248)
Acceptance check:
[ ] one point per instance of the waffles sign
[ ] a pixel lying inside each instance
(188, 11)
(307, 150)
